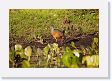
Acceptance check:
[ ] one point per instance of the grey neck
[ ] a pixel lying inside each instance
(52, 29)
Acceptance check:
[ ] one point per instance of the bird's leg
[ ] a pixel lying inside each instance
(56, 40)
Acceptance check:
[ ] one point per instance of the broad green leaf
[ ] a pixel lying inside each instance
(68, 50)
(55, 46)
(88, 60)
(49, 45)
(25, 64)
(73, 44)
(69, 59)
(65, 60)
(58, 50)
(95, 44)
(95, 60)
(92, 61)
(46, 50)
(77, 52)
(28, 51)
(18, 47)
(95, 40)
(74, 66)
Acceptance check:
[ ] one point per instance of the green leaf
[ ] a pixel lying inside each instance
(95, 60)
(25, 64)
(28, 51)
(74, 66)
(73, 44)
(58, 50)
(68, 50)
(77, 52)
(95, 44)
(46, 50)
(69, 59)
(55, 46)
(18, 47)
(95, 40)
(91, 61)
(65, 60)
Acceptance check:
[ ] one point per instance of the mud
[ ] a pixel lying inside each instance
(79, 40)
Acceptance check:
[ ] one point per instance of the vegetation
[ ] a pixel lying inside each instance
(32, 46)
(53, 56)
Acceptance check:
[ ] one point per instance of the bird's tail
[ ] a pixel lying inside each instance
(63, 31)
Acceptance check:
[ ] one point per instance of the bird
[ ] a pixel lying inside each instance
(56, 33)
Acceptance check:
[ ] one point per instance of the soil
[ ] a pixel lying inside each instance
(80, 40)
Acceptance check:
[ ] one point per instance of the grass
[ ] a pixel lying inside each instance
(31, 23)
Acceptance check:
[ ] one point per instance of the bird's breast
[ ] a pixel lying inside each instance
(56, 34)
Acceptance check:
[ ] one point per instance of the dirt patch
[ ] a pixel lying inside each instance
(80, 40)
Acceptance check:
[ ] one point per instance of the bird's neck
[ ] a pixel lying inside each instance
(52, 30)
